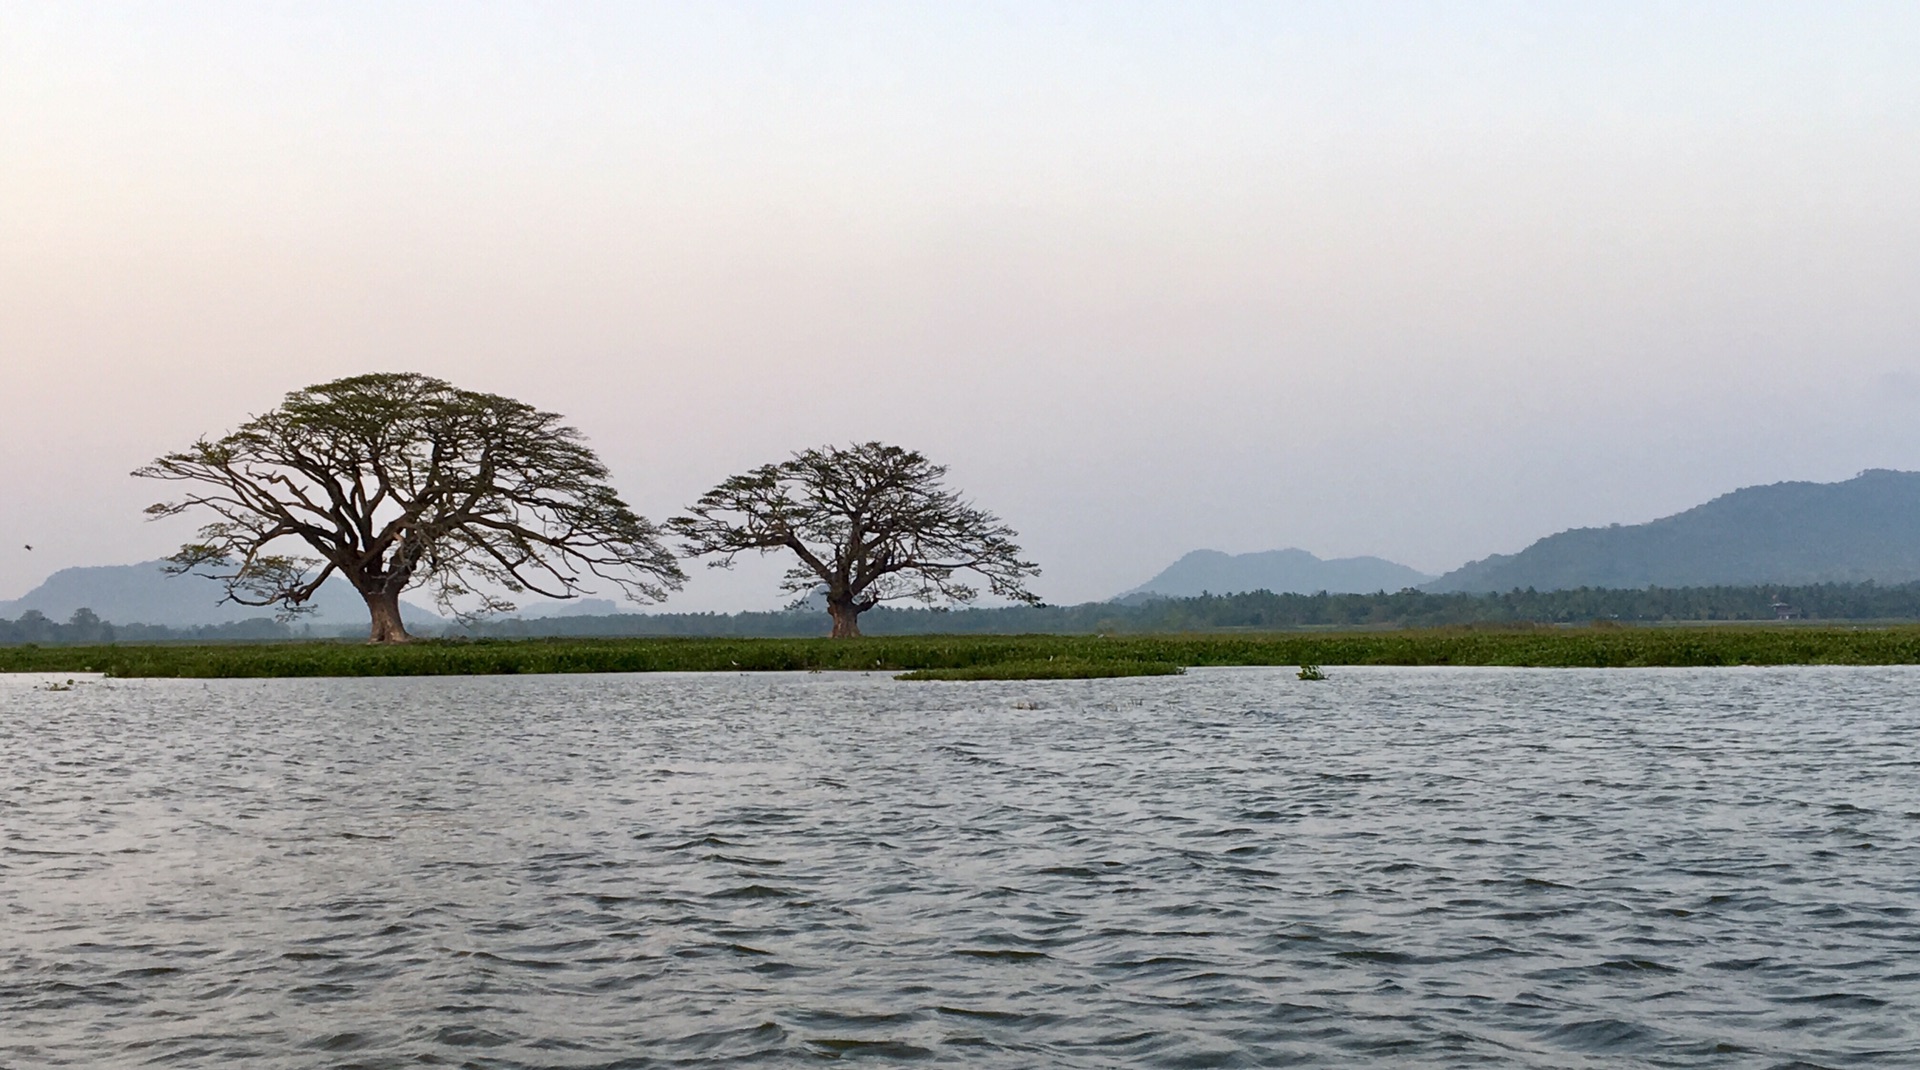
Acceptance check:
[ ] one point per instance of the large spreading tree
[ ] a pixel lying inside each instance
(867, 523)
(397, 481)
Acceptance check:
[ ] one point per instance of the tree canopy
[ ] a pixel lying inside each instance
(867, 523)
(398, 480)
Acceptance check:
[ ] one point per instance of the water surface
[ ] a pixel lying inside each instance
(1395, 867)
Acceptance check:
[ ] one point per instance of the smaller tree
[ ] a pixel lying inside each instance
(868, 523)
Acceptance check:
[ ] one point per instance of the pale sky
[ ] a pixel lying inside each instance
(1427, 281)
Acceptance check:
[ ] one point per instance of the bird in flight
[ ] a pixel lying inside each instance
(29, 547)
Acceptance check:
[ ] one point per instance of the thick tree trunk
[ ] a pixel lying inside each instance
(846, 619)
(384, 608)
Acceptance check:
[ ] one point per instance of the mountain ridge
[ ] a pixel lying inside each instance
(1865, 529)
(143, 593)
(1289, 571)
(1793, 533)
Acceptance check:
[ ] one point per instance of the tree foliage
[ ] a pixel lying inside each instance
(397, 481)
(1256, 611)
(868, 523)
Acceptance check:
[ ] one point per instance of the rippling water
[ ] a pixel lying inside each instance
(1396, 867)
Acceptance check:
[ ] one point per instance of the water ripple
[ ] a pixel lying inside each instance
(1420, 868)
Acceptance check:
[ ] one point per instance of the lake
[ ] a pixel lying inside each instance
(1393, 867)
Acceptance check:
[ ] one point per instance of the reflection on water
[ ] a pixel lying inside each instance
(1426, 868)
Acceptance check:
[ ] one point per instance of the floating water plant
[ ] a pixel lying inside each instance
(1311, 672)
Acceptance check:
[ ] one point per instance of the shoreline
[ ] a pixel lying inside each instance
(1591, 647)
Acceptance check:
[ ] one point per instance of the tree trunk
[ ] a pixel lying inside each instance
(384, 608)
(846, 619)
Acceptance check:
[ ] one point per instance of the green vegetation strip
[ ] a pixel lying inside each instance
(1047, 669)
(1575, 647)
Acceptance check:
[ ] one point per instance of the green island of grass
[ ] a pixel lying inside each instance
(1001, 656)
(1047, 669)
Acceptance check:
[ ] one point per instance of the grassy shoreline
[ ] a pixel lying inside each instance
(1599, 647)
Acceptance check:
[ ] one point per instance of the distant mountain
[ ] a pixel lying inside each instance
(1864, 529)
(1279, 571)
(576, 607)
(143, 594)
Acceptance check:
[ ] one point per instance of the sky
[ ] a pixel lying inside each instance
(1421, 280)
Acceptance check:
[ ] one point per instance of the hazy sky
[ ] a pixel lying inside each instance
(1422, 280)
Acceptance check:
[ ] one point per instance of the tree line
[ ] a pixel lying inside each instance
(86, 627)
(1265, 610)
(1252, 611)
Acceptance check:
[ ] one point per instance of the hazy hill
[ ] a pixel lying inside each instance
(1279, 571)
(576, 607)
(143, 594)
(1865, 529)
